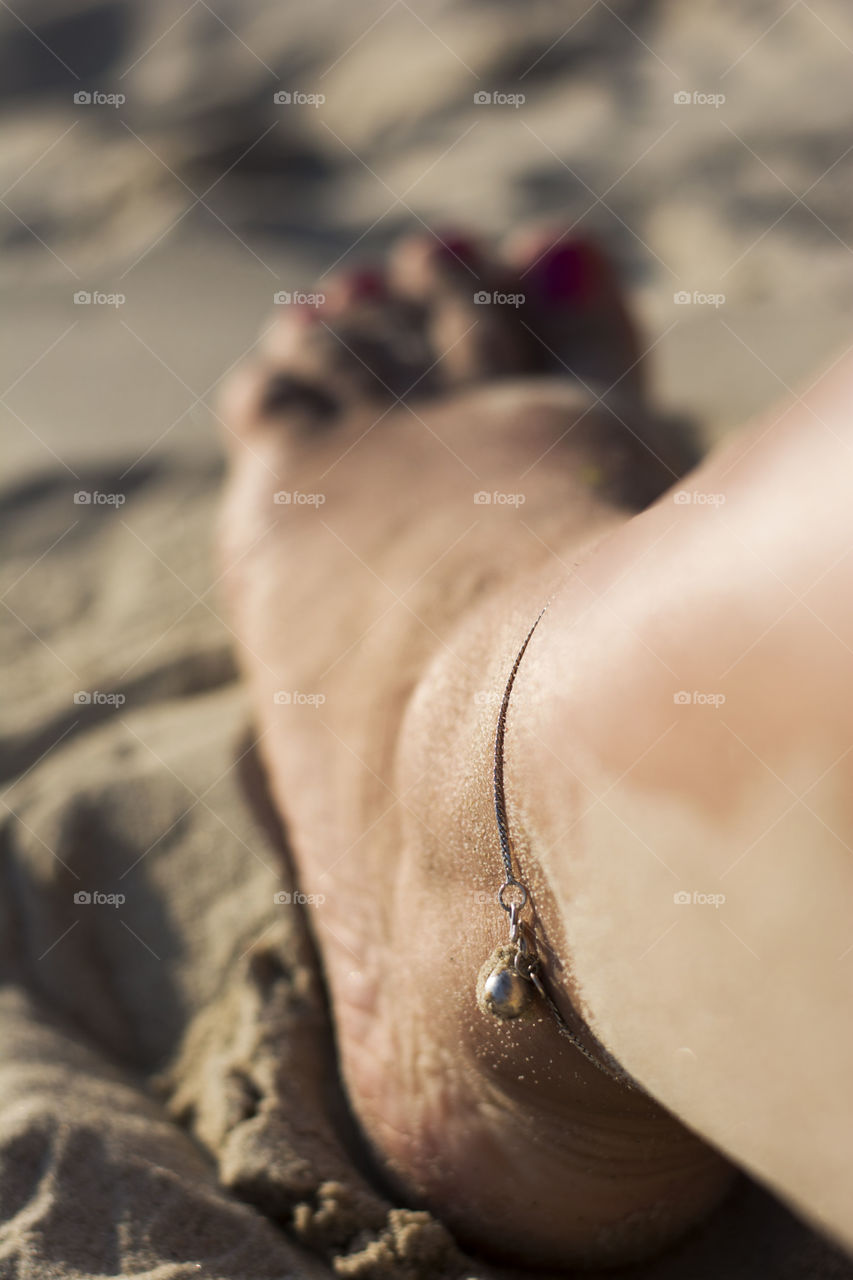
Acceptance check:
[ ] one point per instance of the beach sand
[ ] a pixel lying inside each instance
(169, 1104)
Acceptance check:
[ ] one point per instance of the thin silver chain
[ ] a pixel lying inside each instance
(520, 934)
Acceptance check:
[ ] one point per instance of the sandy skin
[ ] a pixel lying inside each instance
(384, 588)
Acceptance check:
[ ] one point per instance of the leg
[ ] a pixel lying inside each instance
(734, 1014)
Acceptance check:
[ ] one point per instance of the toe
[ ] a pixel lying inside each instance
(355, 343)
(361, 343)
(260, 397)
(472, 307)
(578, 312)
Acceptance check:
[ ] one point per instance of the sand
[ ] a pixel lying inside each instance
(169, 1103)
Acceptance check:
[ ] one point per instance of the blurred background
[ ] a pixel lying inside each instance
(188, 160)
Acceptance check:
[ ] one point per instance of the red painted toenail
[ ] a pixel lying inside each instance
(456, 248)
(573, 272)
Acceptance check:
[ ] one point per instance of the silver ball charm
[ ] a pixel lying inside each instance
(502, 991)
(507, 994)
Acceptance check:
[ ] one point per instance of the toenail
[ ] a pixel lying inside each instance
(284, 393)
(571, 272)
(457, 249)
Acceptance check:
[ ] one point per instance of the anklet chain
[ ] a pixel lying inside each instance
(513, 976)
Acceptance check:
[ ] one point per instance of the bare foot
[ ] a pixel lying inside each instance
(356, 600)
